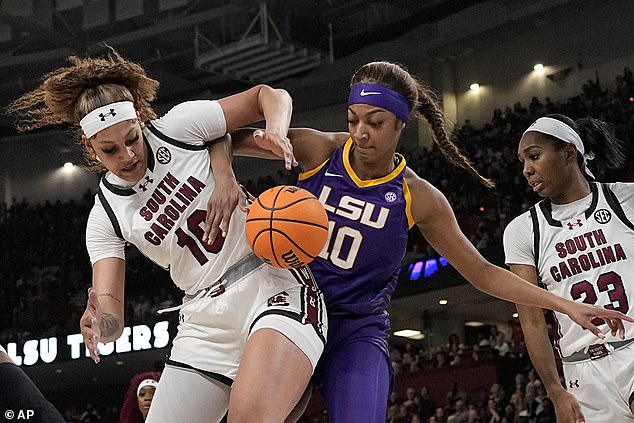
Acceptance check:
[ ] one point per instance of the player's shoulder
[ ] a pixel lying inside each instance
(192, 122)
(519, 225)
(428, 202)
(312, 147)
(419, 187)
(518, 240)
(620, 189)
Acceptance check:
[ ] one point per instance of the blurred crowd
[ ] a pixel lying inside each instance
(45, 271)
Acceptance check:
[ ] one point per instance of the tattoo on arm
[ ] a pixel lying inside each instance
(107, 294)
(109, 325)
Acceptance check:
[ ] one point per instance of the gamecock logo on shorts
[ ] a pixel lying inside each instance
(279, 300)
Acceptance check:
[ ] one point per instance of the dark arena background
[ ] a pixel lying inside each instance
(495, 66)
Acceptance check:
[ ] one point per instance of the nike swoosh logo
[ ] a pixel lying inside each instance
(363, 92)
(333, 174)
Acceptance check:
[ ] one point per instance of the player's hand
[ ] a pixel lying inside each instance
(583, 314)
(279, 144)
(567, 408)
(226, 196)
(89, 324)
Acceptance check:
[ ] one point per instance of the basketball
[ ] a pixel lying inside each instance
(287, 226)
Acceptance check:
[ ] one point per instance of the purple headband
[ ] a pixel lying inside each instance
(380, 96)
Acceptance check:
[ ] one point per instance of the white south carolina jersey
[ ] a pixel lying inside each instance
(583, 251)
(163, 214)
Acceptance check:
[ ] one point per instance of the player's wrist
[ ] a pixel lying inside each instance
(554, 389)
(276, 131)
(225, 176)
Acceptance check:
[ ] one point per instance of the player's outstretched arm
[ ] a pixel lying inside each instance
(103, 318)
(313, 146)
(542, 356)
(227, 193)
(436, 221)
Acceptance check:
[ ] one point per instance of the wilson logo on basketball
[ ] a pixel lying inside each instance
(291, 259)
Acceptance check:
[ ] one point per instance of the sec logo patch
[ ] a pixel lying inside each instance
(163, 155)
(602, 216)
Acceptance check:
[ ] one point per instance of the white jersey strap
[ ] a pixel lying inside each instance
(610, 197)
(110, 213)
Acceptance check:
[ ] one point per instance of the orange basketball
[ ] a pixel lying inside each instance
(287, 226)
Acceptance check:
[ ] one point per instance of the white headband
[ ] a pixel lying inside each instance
(560, 130)
(105, 116)
(144, 383)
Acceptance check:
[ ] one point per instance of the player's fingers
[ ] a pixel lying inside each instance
(258, 134)
(594, 329)
(208, 230)
(93, 349)
(88, 318)
(213, 234)
(613, 324)
(212, 225)
(209, 217)
(613, 314)
(91, 338)
(224, 225)
(289, 158)
(93, 306)
(243, 203)
(211, 230)
(619, 329)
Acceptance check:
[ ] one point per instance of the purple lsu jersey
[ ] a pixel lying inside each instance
(358, 268)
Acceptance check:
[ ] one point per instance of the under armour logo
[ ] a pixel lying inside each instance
(144, 185)
(573, 383)
(572, 225)
(111, 113)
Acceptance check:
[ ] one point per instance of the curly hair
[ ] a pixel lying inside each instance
(422, 103)
(130, 412)
(69, 93)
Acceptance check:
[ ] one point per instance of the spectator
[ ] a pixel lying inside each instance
(460, 415)
(501, 346)
(138, 398)
(426, 405)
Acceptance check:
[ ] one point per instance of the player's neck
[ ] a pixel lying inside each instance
(578, 187)
(369, 170)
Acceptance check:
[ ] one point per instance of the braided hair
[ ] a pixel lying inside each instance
(423, 103)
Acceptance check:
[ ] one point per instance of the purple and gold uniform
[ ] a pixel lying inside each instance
(357, 271)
